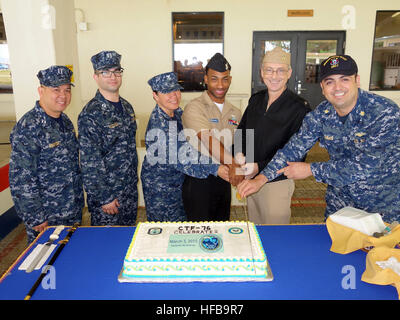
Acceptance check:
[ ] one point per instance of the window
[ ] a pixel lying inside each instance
(197, 37)
(316, 52)
(385, 70)
(5, 72)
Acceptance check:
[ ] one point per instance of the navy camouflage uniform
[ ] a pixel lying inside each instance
(45, 178)
(108, 153)
(364, 167)
(162, 180)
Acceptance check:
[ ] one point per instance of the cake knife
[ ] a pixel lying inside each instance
(248, 232)
(53, 237)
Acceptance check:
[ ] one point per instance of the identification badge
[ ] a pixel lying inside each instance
(54, 144)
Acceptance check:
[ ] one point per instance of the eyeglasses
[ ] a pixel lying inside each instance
(108, 73)
(279, 72)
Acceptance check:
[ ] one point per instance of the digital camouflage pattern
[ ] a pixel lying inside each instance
(55, 76)
(162, 178)
(165, 83)
(105, 60)
(109, 159)
(364, 167)
(45, 178)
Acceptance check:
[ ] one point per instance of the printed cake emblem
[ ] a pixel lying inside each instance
(211, 243)
(154, 231)
(235, 230)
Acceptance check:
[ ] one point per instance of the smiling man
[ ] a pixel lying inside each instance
(107, 130)
(361, 132)
(214, 121)
(45, 179)
(274, 114)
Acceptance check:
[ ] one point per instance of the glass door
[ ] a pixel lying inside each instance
(308, 49)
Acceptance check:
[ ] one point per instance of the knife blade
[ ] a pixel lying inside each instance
(44, 249)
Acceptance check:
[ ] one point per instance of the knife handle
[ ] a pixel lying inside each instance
(56, 232)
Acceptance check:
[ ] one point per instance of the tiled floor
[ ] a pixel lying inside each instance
(308, 206)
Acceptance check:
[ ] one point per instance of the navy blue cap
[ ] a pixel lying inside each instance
(106, 60)
(55, 76)
(338, 64)
(165, 83)
(218, 63)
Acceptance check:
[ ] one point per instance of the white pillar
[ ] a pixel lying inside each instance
(66, 50)
(40, 33)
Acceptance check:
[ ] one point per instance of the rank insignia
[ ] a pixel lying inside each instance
(330, 138)
(113, 125)
(360, 134)
(334, 63)
(54, 144)
(215, 120)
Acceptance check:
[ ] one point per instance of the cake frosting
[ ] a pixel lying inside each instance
(195, 251)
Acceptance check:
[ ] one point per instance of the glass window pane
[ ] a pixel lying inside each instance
(268, 45)
(197, 37)
(271, 44)
(316, 52)
(385, 71)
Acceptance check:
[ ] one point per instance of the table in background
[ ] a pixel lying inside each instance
(299, 256)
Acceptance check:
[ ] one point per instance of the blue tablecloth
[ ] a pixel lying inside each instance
(299, 256)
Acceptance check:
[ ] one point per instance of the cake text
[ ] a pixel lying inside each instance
(195, 229)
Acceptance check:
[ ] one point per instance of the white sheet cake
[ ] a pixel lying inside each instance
(195, 251)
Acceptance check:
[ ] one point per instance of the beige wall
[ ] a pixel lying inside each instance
(7, 109)
(141, 32)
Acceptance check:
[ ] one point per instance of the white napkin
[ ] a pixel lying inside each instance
(24, 265)
(390, 263)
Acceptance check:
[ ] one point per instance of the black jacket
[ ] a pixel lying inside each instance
(272, 128)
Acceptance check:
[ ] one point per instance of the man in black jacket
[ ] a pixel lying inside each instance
(274, 114)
